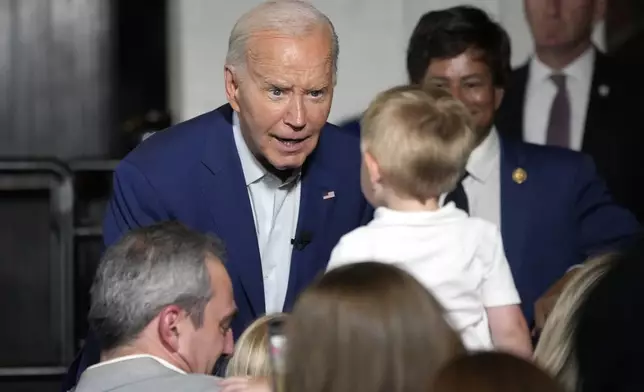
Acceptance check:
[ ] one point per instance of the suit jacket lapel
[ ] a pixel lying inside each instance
(225, 193)
(598, 108)
(317, 200)
(516, 201)
(509, 120)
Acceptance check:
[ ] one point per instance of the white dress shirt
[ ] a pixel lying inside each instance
(275, 206)
(541, 92)
(460, 259)
(483, 184)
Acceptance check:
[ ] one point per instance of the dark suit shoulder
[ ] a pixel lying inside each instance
(352, 126)
(509, 116)
(176, 146)
(520, 74)
(338, 148)
(556, 158)
(169, 164)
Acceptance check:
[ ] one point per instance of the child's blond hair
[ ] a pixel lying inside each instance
(251, 356)
(421, 139)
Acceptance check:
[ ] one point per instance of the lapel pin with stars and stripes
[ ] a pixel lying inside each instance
(603, 90)
(519, 175)
(328, 195)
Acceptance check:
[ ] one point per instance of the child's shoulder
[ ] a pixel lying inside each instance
(481, 228)
(359, 235)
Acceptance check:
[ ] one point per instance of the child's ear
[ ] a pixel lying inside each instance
(372, 168)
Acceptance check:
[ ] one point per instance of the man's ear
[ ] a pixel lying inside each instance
(498, 97)
(373, 169)
(232, 87)
(169, 326)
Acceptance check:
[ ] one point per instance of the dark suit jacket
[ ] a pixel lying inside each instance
(613, 134)
(192, 173)
(558, 217)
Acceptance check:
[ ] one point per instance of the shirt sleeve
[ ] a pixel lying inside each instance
(498, 287)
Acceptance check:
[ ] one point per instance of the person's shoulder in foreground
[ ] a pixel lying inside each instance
(171, 382)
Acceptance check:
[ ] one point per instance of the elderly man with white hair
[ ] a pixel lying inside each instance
(265, 172)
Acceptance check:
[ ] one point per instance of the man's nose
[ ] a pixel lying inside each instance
(296, 114)
(457, 92)
(552, 7)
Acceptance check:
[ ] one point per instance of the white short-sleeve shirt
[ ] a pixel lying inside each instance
(460, 259)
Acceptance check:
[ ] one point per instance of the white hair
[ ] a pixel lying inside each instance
(289, 17)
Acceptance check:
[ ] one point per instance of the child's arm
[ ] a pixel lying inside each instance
(509, 330)
(501, 300)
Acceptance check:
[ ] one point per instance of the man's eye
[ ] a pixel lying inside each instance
(276, 92)
(316, 93)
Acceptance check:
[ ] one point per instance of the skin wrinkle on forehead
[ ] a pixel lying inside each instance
(262, 58)
(286, 91)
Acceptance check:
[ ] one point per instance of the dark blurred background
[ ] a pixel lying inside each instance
(80, 82)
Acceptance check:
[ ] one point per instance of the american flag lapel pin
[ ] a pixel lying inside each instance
(328, 195)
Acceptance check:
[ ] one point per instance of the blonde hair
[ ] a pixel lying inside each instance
(367, 327)
(555, 351)
(251, 356)
(421, 138)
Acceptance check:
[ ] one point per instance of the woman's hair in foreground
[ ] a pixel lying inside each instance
(251, 356)
(367, 327)
(555, 351)
(493, 372)
(608, 344)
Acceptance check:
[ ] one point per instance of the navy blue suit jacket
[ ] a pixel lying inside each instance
(558, 217)
(192, 173)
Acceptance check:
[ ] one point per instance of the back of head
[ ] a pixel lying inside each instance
(367, 327)
(421, 139)
(145, 271)
(290, 18)
(608, 345)
(251, 356)
(450, 32)
(555, 351)
(493, 372)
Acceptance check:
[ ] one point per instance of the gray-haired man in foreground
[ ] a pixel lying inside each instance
(161, 304)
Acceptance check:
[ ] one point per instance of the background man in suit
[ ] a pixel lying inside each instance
(552, 209)
(571, 95)
(266, 173)
(161, 304)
